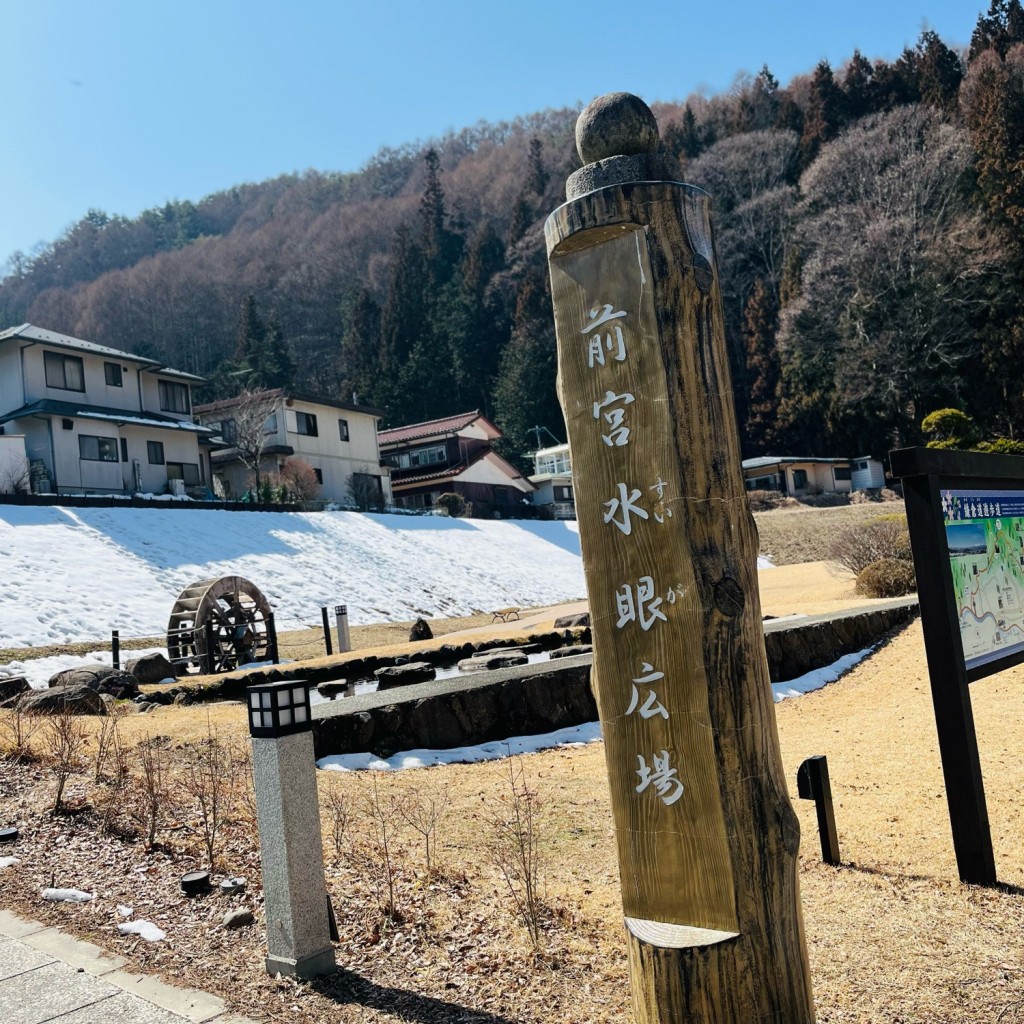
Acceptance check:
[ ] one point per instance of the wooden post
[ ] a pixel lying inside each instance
(707, 838)
(812, 783)
(327, 630)
(115, 649)
(272, 651)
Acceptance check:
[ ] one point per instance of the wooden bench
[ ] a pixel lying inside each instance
(505, 614)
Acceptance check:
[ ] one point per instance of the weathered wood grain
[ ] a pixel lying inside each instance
(709, 880)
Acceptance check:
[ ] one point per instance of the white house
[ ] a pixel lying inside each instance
(868, 474)
(797, 476)
(337, 439)
(99, 421)
(553, 479)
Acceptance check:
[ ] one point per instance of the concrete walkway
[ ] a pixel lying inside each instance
(46, 976)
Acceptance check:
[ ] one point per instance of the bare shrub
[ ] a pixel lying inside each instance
(153, 791)
(856, 547)
(240, 755)
(108, 737)
(514, 846)
(206, 779)
(341, 814)
(826, 499)
(17, 728)
(384, 812)
(64, 738)
(888, 577)
(764, 501)
(424, 810)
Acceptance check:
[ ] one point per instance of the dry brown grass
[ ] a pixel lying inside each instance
(892, 936)
(800, 534)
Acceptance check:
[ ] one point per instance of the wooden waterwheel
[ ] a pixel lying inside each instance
(229, 614)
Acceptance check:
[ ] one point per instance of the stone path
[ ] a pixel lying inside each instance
(47, 976)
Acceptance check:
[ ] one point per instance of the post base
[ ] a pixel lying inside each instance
(309, 966)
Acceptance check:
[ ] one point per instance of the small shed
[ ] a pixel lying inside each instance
(867, 473)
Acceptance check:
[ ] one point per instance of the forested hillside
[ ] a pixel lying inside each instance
(868, 226)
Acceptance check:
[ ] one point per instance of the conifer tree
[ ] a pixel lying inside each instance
(1000, 29)
(823, 115)
(858, 94)
(759, 322)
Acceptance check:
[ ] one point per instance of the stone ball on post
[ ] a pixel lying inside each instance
(616, 124)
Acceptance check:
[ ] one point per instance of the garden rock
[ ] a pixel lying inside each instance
(77, 699)
(101, 678)
(333, 689)
(568, 621)
(151, 668)
(11, 686)
(238, 918)
(420, 631)
(486, 662)
(403, 675)
(571, 652)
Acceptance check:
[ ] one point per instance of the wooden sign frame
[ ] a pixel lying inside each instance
(929, 476)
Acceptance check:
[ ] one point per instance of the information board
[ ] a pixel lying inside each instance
(985, 538)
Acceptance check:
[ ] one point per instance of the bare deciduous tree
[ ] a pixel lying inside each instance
(251, 413)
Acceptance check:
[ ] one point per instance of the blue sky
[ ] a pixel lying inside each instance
(124, 105)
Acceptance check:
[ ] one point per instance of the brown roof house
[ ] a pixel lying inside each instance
(453, 455)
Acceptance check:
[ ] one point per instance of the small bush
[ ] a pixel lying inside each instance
(764, 501)
(454, 504)
(882, 537)
(888, 577)
(826, 499)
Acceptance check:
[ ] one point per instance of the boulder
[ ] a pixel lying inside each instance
(420, 631)
(568, 621)
(11, 686)
(403, 675)
(238, 918)
(492, 660)
(151, 668)
(571, 652)
(101, 678)
(78, 699)
(333, 688)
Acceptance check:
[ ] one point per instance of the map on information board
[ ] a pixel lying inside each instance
(985, 536)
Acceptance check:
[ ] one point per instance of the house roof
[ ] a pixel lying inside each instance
(48, 407)
(29, 332)
(771, 460)
(434, 428)
(453, 472)
(290, 396)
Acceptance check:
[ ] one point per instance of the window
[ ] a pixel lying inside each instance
(187, 471)
(319, 474)
(173, 397)
(842, 473)
(563, 493)
(270, 427)
(305, 423)
(63, 372)
(155, 450)
(860, 465)
(97, 449)
(124, 449)
(799, 479)
(229, 431)
(426, 456)
(67, 424)
(343, 429)
(112, 373)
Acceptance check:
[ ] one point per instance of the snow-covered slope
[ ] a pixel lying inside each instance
(75, 574)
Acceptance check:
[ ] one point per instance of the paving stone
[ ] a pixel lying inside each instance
(76, 952)
(49, 991)
(122, 1009)
(16, 958)
(197, 1007)
(16, 927)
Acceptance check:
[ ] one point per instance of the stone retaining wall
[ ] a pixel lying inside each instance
(533, 699)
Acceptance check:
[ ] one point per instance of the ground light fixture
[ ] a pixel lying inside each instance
(279, 709)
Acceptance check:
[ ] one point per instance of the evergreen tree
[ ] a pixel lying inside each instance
(361, 349)
(759, 322)
(939, 72)
(278, 368)
(999, 30)
(823, 115)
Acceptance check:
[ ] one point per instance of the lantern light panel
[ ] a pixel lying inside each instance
(279, 709)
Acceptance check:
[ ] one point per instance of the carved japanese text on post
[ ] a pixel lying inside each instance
(649, 673)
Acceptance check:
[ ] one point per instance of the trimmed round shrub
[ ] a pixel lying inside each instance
(888, 577)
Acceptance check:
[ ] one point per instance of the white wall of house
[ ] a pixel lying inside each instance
(820, 477)
(11, 396)
(489, 471)
(85, 373)
(13, 464)
(868, 473)
(176, 393)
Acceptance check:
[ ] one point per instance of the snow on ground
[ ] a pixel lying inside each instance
(573, 736)
(37, 671)
(764, 563)
(819, 677)
(144, 929)
(76, 574)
